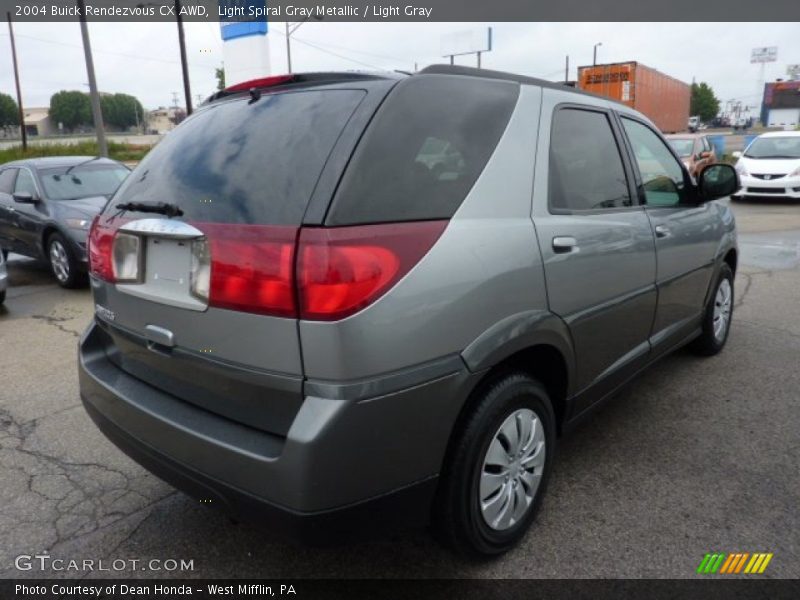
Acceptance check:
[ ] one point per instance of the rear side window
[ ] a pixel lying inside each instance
(424, 150)
(242, 161)
(586, 171)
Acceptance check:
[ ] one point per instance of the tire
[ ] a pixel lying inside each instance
(458, 519)
(63, 263)
(2, 296)
(720, 304)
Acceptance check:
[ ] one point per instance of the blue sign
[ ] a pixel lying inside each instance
(242, 18)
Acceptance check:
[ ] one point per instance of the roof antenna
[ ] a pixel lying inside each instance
(255, 95)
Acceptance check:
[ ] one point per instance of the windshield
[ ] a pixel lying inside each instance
(682, 147)
(82, 182)
(774, 147)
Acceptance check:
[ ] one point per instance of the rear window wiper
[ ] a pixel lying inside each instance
(161, 208)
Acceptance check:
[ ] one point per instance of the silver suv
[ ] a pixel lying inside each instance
(335, 302)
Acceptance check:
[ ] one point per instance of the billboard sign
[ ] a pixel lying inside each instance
(764, 55)
(793, 71)
(242, 18)
(469, 41)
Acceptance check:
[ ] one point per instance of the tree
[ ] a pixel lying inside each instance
(71, 109)
(9, 112)
(121, 110)
(704, 103)
(220, 73)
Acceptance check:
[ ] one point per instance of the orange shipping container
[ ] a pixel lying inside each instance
(664, 99)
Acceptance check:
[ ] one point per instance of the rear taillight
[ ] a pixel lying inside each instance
(100, 242)
(341, 270)
(251, 267)
(314, 273)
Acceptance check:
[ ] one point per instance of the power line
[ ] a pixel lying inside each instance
(109, 52)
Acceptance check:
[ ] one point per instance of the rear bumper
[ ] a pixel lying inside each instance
(346, 466)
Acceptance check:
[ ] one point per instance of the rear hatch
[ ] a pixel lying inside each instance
(196, 299)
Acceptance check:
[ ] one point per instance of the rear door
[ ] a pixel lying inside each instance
(596, 243)
(28, 218)
(687, 234)
(7, 178)
(241, 172)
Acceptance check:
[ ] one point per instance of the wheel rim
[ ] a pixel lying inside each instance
(59, 260)
(512, 470)
(722, 309)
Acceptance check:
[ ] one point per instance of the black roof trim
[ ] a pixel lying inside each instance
(502, 75)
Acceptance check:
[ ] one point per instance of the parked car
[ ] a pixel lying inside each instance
(3, 277)
(303, 321)
(47, 206)
(695, 151)
(770, 166)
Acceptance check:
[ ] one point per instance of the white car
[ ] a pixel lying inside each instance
(770, 166)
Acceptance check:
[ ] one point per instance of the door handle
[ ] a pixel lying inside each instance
(662, 231)
(564, 243)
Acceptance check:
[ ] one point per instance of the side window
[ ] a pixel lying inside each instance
(662, 175)
(25, 184)
(7, 180)
(586, 169)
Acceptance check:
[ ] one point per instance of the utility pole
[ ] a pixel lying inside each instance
(184, 66)
(174, 99)
(566, 71)
(22, 131)
(93, 95)
(289, 32)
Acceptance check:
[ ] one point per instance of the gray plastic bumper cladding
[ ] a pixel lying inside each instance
(341, 451)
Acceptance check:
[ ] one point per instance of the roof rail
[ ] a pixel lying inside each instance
(504, 76)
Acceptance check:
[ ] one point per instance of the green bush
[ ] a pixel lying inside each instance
(116, 150)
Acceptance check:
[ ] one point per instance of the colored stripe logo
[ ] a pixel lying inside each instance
(734, 563)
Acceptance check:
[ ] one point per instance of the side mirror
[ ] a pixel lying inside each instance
(25, 198)
(737, 154)
(717, 181)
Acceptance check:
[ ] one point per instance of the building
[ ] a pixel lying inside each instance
(781, 104)
(162, 119)
(38, 122)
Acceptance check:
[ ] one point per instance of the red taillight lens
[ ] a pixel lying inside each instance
(341, 270)
(100, 248)
(252, 267)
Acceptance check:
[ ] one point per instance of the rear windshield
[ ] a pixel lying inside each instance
(242, 161)
(427, 145)
(81, 182)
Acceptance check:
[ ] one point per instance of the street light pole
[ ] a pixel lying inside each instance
(97, 113)
(22, 131)
(184, 65)
(288, 48)
(594, 60)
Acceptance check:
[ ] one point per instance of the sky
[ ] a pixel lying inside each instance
(142, 59)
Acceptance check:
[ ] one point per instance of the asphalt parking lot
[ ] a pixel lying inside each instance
(698, 455)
